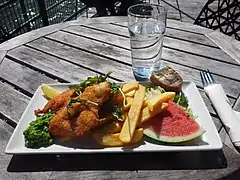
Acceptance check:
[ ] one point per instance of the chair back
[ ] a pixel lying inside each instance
(223, 15)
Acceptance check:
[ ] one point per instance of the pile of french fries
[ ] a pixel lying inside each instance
(137, 109)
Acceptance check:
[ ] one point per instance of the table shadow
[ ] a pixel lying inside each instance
(119, 161)
(233, 176)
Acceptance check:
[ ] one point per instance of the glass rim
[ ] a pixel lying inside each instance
(145, 4)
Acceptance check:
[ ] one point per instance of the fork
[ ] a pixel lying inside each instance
(222, 105)
(208, 80)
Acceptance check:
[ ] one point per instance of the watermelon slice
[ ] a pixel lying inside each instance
(172, 125)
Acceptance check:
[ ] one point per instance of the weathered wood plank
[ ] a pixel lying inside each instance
(99, 35)
(198, 38)
(122, 55)
(13, 103)
(5, 134)
(187, 26)
(228, 44)
(46, 63)
(179, 25)
(83, 58)
(197, 49)
(89, 45)
(23, 76)
(2, 55)
(103, 20)
(168, 54)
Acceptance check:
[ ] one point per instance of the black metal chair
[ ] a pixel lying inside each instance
(223, 15)
(4, 35)
(102, 7)
(109, 8)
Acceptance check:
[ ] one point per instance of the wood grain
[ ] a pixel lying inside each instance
(5, 134)
(13, 103)
(197, 49)
(228, 44)
(49, 64)
(88, 45)
(22, 76)
(179, 25)
(175, 33)
(83, 58)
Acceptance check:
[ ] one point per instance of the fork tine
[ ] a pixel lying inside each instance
(206, 77)
(210, 76)
(204, 82)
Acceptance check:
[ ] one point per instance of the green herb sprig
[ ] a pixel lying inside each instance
(117, 112)
(90, 81)
(114, 87)
(181, 100)
(76, 100)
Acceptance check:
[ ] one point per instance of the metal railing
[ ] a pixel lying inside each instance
(20, 16)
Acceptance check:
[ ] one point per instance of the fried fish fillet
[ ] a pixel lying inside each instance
(57, 103)
(74, 122)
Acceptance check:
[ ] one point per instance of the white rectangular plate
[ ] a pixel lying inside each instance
(209, 141)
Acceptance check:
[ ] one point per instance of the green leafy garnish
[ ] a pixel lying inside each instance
(148, 86)
(117, 112)
(90, 81)
(37, 134)
(114, 87)
(76, 100)
(181, 100)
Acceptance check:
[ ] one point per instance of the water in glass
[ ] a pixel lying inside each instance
(146, 38)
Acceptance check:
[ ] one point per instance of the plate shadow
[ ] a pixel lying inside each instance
(119, 161)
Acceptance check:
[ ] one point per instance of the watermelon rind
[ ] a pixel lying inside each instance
(176, 139)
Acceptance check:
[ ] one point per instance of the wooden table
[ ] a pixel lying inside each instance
(72, 51)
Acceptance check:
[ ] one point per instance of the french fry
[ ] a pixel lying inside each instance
(124, 115)
(131, 122)
(156, 100)
(130, 86)
(129, 101)
(146, 114)
(145, 103)
(112, 140)
(130, 93)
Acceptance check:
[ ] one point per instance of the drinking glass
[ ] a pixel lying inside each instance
(146, 25)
